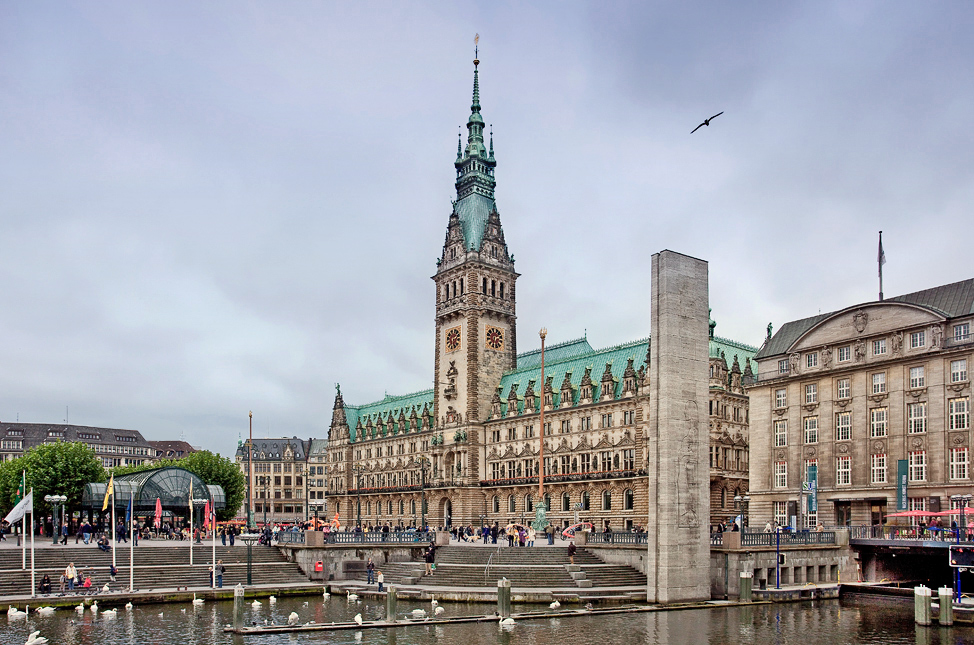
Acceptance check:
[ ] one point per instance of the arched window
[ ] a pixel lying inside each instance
(627, 499)
(566, 502)
(547, 502)
(368, 508)
(528, 503)
(723, 497)
(402, 507)
(412, 506)
(493, 287)
(511, 503)
(502, 289)
(586, 503)
(496, 504)
(485, 286)
(606, 500)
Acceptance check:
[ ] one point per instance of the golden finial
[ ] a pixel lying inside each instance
(250, 414)
(543, 333)
(476, 42)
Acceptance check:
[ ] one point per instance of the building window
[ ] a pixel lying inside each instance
(879, 347)
(629, 459)
(781, 513)
(958, 370)
(918, 465)
(810, 426)
(606, 500)
(628, 417)
(511, 504)
(917, 377)
(811, 393)
(879, 382)
(783, 366)
(958, 463)
(811, 359)
(628, 500)
(918, 339)
(586, 423)
(962, 332)
(781, 474)
(845, 353)
(809, 463)
(878, 422)
(959, 413)
(606, 420)
(916, 417)
(586, 502)
(843, 388)
(780, 433)
(843, 471)
(780, 398)
(877, 470)
(843, 426)
(566, 426)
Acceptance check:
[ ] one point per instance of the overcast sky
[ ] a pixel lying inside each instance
(210, 208)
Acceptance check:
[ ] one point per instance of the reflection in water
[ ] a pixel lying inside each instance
(862, 620)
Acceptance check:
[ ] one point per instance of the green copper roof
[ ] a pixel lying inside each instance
(394, 404)
(554, 353)
(731, 348)
(576, 364)
(475, 176)
(473, 211)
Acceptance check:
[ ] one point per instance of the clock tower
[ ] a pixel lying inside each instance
(475, 317)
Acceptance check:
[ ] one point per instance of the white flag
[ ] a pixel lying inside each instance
(23, 507)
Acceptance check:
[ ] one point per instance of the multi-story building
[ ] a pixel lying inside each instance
(172, 449)
(317, 479)
(114, 447)
(873, 395)
(471, 445)
(278, 482)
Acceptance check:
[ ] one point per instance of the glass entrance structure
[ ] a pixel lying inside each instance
(171, 486)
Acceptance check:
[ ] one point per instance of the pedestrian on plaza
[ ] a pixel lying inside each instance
(61, 583)
(220, 570)
(223, 535)
(549, 532)
(571, 551)
(531, 535)
(64, 534)
(430, 557)
(86, 531)
(380, 578)
(120, 532)
(233, 532)
(135, 535)
(112, 572)
(370, 571)
(70, 573)
(45, 584)
(493, 533)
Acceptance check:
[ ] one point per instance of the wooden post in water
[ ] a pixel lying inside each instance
(922, 608)
(391, 602)
(946, 598)
(504, 597)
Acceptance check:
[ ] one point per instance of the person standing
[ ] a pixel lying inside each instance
(380, 578)
(370, 571)
(220, 569)
(120, 532)
(549, 532)
(70, 573)
(571, 551)
(531, 535)
(223, 535)
(64, 534)
(233, 531)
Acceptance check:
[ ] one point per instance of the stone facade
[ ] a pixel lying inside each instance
(279, 480)
(854, 392)
(470, 446)
(112, 446)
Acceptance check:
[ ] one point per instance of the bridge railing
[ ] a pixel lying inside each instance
(787, 539)
(356, 537)
(909, 533)
(616, 537)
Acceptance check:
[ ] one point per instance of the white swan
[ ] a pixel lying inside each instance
(128, 606)
(109, 613)
(555, 605)
(352, 597)
(80, 608)
(256, 604)
(293, 618)
(105, 589)
(358, 619)
(13, 612)
(272, 600)
(35, 638)
(325, 594)
(45, 611)
(433, 601)
(507, 622)
(438, 611)
(94, 607)
(197, 601)
(418, 613)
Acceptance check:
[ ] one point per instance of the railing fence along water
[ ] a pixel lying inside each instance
(909, 533)
(356, 537)
(788, 539)
(616, 537)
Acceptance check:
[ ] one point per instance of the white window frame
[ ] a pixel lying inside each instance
(811, 393)
(781, 474)
(960, 463)
(879, 347)
(843, 392)
(916, 417)
(845, 354)
(879, 382)
(843, 426)
(811, 360)
(780, 433)
(843, 470)
(783, 366)
(917, 462)
(781, 398)
(958, 370)
(918, 339)
(918, 377)
(962, 331)
(959, 413)
(780, 512)
(809, 462)
(810, 429)
(877, 469)
(878, 422)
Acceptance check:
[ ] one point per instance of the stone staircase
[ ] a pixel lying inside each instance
(155, 566)
(537, 568)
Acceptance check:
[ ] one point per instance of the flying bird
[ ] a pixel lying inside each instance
(706, 122)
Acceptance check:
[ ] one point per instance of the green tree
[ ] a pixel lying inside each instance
(220, 471)
(60, 468)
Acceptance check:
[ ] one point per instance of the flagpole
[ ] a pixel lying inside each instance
(882, 261)
(33, 588)
(213, 528)
(23, 527)
(190, 523)
(131, 540)
(114, 538)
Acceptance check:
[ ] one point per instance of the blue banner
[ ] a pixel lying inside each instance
(902, 480)
(813, 489)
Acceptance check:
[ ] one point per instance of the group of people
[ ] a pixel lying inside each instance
(374, 575)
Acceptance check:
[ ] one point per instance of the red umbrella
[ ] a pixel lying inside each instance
(913, 514)
(158, 512)
(206, 514)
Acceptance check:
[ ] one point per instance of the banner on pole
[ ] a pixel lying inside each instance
(902, 485)
(24, 506)
(813, 489)
(108, 492)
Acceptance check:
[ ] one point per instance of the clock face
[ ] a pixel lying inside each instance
(453, 339)
(495, 338)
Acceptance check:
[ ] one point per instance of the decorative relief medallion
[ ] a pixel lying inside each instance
(959, 439)
(843, 448)
(453, 339)
(860, 320)
(494, 338)
(781, 454)
(810, 452)
(917, 443)
(879, 446)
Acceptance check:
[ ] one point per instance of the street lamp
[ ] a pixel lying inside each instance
(264, 481)
(55, 501)
(742, 504)
(423, 463)
(249, 539)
